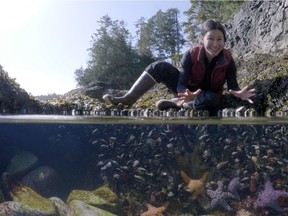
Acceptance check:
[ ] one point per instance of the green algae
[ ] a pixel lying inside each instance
(29, 199)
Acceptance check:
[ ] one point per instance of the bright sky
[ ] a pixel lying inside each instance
(42, 42)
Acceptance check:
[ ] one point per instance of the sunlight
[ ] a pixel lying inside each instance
(15, 13)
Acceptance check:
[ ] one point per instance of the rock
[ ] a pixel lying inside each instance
(102, 198)
(94, 90)
(24, 201)
(21, 164)
(43, 180)
(2, 198)
(259, 28)
(79, 208)
(61, 207)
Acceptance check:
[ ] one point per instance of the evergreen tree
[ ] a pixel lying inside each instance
(160, 35)
(112, 58)
(144, 38)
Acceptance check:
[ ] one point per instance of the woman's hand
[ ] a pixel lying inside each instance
(244, 94)
(188, 95)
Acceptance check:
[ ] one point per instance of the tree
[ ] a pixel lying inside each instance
(144, 43)
(79, 77)
(112, 57)
(161, 35)
(200, 11)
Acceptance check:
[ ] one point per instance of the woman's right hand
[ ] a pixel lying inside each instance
(188, 95)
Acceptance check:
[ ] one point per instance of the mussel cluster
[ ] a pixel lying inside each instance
(141, 158)
(145, 160)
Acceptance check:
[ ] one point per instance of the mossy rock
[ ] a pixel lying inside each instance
(102, 198)
(106, 194)
(31, 201)
(80, 208)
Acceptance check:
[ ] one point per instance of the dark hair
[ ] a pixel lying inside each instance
(213, 25)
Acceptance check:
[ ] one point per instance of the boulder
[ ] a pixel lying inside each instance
(43, 180)
(21, 164)
(102, 198)
(79, 208)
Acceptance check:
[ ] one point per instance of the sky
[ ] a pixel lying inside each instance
(43, 42)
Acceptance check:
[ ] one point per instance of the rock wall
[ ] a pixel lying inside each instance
(261, 27)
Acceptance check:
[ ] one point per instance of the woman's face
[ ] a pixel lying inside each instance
(213, 42)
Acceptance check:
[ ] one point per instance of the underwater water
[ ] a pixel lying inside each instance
(187, 166)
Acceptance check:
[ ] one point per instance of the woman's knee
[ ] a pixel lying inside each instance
(159, 70)
(164, 72)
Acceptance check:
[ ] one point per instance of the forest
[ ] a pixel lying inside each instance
(116, 57)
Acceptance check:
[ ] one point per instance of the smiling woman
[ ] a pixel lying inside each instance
(14, 13)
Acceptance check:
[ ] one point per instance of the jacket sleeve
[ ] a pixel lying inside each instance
(231, 77)
(184, 72)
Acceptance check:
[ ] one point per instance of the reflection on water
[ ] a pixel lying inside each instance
(199, 166)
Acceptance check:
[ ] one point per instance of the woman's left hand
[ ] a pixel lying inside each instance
(244, 94)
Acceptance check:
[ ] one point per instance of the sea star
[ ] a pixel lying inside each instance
(195, 186)
(269, 197)
(155, 211)
(219, 197)
(234, 186)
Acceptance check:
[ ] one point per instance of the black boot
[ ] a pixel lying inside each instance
(165, 104)
(140, 87)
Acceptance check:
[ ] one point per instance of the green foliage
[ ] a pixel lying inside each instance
(160, 35)
(111, 54)
(112, 57)
(200, 11)
(144, 43)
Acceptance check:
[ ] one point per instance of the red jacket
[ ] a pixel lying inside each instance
(218, 76)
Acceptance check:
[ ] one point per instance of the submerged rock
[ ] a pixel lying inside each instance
(21, 163)
(43, 180)
(102, 198)
(24, 201)
(79, 208)
(2, 199)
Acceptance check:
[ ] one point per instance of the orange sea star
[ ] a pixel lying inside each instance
(155, 211)
(195, 186)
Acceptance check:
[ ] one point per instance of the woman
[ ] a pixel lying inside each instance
(199, 82)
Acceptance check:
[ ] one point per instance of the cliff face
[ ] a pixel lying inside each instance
(261, 27)
(257, 38)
